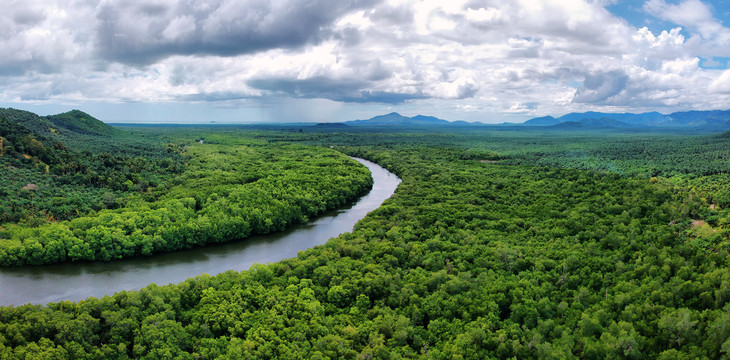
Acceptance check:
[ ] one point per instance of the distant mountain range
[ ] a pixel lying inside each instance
(714, 119)
(710, 120)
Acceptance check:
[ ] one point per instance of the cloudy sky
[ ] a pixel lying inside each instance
(332, 60)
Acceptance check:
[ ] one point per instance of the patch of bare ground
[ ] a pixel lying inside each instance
(701, 229)
(697, 223)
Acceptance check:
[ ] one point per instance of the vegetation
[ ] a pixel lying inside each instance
(629, 153)
(226, 193)
(75, 164)
(471, 259)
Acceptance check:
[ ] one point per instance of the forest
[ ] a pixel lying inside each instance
(63, 166)
(226, 192)
(497, 244)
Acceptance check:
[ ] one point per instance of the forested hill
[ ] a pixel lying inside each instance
(81, 122)
(15, 124)
(62, 166)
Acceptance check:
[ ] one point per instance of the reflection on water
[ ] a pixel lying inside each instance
(51, 283)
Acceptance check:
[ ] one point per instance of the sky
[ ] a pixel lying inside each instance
(254, 61)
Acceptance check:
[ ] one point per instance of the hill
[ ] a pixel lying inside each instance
(81, 122)
(58, 127)
(62, 166)
(14, 124)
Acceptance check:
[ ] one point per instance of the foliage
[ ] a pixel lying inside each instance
(82, 123)
(226, 193)
(468, 260)
(632, 153)
(78, 163)
(693, 163)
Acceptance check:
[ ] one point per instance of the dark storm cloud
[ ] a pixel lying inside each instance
(326, 88)
(599, 87)
(144, 33)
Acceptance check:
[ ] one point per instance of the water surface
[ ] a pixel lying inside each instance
(76, 281)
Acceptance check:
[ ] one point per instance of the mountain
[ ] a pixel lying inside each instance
(645, 119)
(603, 123)
(568, 125)
(715, 119)
(542, 121)
(395, 119)
(428, 119)
(465, 123)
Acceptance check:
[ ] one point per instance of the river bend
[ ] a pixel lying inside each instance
(76, 281)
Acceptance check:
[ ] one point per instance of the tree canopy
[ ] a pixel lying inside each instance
(475, 257)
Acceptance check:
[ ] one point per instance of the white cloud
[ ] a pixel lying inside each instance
(484, 15)
(667, 39)
(473, 57)
(691, 13)
(39, 38)
(682, 67)
(721, 84)
(519, 108)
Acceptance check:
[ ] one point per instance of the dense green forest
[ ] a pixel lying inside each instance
(633, 154)
(226, 192)
(497, 244)
(63, 166)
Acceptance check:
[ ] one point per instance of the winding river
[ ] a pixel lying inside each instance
(52, 283)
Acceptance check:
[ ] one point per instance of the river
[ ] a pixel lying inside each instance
(76, 281)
